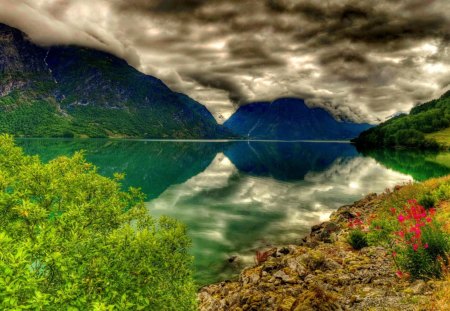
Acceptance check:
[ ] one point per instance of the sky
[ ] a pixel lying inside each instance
(361, 60)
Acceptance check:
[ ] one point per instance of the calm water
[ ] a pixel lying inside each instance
(237, 197)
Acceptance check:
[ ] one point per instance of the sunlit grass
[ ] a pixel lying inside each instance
(442, 137)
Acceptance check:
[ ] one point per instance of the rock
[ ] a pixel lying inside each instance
(295, 265)
(324, 231)
(250, 276)
(232, 259)
(286, 276)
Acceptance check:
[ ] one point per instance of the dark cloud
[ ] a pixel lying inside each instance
(362, 60)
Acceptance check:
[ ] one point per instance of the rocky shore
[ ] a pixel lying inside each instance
(322, 272)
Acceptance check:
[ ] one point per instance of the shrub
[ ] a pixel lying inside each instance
(357, 239)
(427, 201)
(420, 243)
(70, 239)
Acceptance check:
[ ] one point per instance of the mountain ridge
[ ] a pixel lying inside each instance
(88, 93)
(290, 119)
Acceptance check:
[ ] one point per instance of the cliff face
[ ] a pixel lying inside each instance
(92, 93)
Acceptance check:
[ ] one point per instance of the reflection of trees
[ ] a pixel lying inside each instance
(418, 164)
(151, 165)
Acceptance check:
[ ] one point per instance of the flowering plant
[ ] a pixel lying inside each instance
(420, 246)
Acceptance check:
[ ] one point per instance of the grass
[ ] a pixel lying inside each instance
(441, 137)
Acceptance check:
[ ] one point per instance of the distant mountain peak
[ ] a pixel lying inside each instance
(290, 119)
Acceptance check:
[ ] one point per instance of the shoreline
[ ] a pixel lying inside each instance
(321, 272)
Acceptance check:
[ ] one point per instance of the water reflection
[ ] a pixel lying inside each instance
(230, 212)
(151, 165)
(236, 197)
(421, 165)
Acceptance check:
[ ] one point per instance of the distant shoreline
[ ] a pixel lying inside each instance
(192, 140)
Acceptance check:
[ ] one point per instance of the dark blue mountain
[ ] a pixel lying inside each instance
(290, 119)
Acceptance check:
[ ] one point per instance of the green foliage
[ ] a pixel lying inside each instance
(424, 263)
(72, 240)
(409, 130)
(381, 231)
(427, 201)
(357, 239)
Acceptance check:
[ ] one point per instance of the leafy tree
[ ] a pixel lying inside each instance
(71, 239)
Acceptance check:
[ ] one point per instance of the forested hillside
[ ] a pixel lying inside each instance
(412, 130)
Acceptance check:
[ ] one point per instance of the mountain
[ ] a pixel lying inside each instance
(426, 126)
(74, 91)
(289, 119)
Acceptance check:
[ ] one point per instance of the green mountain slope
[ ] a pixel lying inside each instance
(73, 91)
(414, 130)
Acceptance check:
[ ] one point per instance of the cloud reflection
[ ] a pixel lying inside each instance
(229, 212)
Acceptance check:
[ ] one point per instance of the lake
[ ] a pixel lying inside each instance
(240, 196)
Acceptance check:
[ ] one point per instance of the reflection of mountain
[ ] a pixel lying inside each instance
(151, 165)
(286, 161)
(229, 212)
(420, 165)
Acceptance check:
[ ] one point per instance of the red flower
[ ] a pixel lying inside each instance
(401, 218)
(415, 247)
(399, 274)
(425, 246)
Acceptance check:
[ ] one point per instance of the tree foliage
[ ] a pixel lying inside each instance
(409, 130)
(71, 239)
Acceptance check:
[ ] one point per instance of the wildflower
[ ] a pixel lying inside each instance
(425, 246)
(415, 247)
(399, 274)
(401, 218)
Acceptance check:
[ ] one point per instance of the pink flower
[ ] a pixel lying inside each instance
(425, 246)
(401, 218)
(415, 247)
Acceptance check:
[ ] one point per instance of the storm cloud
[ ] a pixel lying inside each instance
(361, 60)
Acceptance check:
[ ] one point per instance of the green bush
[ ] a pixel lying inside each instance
(426, 262)
(70, 239)
(357, 239)
(427, 201)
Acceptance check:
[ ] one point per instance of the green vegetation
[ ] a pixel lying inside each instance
(411, 130)
(357, 239)
(411, 222)
(441, 137)
(420, 164)
(72, 240)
